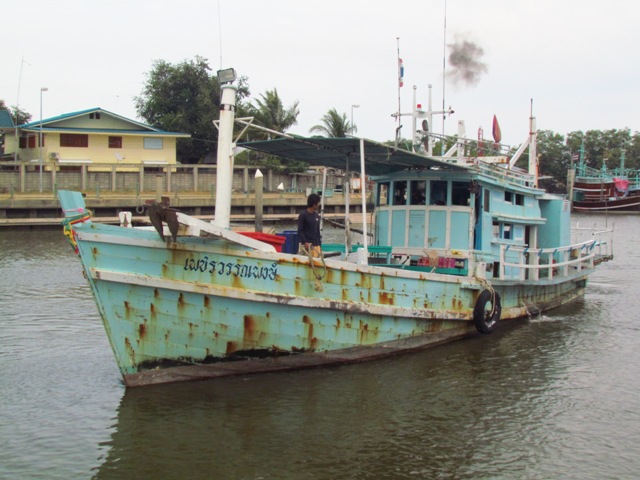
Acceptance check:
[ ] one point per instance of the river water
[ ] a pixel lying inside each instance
(555, 396)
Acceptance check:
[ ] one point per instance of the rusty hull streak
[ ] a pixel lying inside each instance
(249, 335)
(130, 351)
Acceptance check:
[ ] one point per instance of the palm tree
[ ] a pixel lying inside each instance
(269, 112)
(334, 125)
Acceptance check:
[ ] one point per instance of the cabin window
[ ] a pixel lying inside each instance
(487, 200)
(460, 193)
(151, 143)
(438, 193)
(74, 140)
(400, 193)
(496, 230)
(383, 194)
(508, 197)
(507, 231)
(519, 199)
(115, 142)
(418, 190)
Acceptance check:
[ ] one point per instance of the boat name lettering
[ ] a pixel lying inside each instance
(214, 267)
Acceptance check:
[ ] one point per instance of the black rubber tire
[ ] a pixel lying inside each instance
(481, 314)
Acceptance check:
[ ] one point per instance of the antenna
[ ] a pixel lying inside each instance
(220, 33)
(400, 83)
(444, 60)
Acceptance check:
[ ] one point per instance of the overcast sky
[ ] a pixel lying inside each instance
(577, 59)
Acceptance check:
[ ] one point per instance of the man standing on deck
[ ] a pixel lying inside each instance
(309, 227)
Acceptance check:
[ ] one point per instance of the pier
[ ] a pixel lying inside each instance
(28, 197)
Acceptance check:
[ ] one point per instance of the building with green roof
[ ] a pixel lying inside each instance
(94, 136)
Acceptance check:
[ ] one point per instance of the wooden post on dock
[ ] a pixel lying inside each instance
(259, 192)
(158, 188)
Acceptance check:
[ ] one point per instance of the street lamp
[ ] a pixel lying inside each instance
(43, 89)
(352, 107)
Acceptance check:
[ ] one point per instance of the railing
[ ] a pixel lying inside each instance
(520, 263)
(602, 236)
(27, 177)
(508, 174)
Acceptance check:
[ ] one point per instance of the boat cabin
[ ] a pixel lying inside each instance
(456, 216)
(442, 220)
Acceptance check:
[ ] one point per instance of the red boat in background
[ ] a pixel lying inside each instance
(605, 190)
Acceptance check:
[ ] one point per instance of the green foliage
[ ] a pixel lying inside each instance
(333, 125)
(18, 115)
(269, 112)
(184, 98)
(554, 160)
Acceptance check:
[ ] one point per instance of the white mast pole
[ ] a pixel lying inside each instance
(533, 147)
(413, 124)
(224, 173)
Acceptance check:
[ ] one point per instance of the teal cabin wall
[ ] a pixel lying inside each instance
(556, 232)
(416, 228)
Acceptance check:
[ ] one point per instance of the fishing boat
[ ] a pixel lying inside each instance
(604, 190)
(459, 244)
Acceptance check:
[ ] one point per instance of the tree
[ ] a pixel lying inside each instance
(554, 160)
(184, 98)
(18, 115)
(333, 125)
(269, 112)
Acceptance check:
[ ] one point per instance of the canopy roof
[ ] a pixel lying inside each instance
(380, 159)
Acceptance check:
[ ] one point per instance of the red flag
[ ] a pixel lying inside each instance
(497, 134)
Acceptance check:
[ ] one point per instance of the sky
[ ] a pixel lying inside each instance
(573, 63)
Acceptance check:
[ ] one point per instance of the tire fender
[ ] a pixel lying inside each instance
(487, 310)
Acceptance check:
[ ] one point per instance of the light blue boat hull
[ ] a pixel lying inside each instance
(205, 307)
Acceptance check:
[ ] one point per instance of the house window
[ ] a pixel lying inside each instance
(508, 196)
(519, 199)
(151, 143)
(115, 142)
(32, 141)
(95, 115)
(74, 140)
(487, 200)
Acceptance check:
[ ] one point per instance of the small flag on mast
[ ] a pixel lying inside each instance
(400, 73)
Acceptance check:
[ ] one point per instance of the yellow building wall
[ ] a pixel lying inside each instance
(98, 151)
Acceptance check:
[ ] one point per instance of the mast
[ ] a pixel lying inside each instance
(533, 147)
(400, 83)
(224, 174)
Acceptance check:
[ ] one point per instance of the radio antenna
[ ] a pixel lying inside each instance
(220, 33)
(444, 62)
